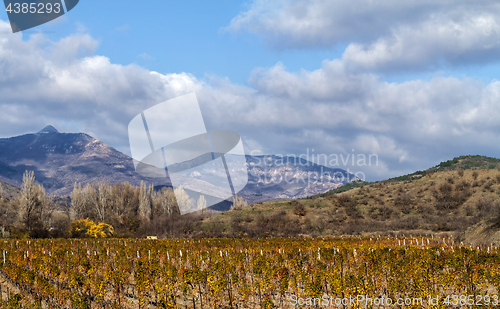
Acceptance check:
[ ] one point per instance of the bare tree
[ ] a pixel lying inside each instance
(146, 207)
(164, 203)
(182, 200)
(202, 204)
(78, 205)
(124, 201)
(103, 200)
(97, 198)
(33, 202)
(238, 202)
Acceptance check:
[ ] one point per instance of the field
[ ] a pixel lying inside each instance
(245, 273)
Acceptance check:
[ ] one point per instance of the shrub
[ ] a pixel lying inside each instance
(447, 200)
(469, 211)
(403, 200)
(345, 201)
(488, 185)
(446, 188)
(485, 206)
(382, 213)
(87, 228)
(101, 230)
(299, 208)
(462, 185)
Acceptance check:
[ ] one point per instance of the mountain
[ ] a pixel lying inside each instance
(8, 191)
(277, 177)
(49, 129)
(61, 159)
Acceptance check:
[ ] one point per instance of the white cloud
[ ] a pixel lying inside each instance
(409, 125)
(145, 56)
(384, 34)
(473, 38)
(63, 82)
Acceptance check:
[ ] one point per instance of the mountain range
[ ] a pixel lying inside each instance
(61, 159)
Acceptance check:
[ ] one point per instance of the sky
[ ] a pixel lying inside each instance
(411, 82)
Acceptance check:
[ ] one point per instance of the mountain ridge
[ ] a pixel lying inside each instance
(61, 159)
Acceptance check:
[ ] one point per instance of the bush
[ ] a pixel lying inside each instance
(87, 228)
(403, 200)
(446, 188)
(462, 185)
(298, 208)
(345, 201)
(486, 207)
(101, 230)
(447, 199)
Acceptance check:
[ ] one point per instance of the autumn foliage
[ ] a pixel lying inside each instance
(249, 273)
(87, 228)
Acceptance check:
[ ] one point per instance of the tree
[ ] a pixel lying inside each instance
(164, 203)
(238, 202)
(146, 210)
(124, 202)
(33, 203)
(78, 207)
(96, 200)
(202, 203)
(183, 200)
(103, 200)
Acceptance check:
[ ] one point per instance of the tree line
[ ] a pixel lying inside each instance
(129, 210)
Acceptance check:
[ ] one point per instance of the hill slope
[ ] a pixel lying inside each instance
(439, 201)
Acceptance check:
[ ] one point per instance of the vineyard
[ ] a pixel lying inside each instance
(244, 273)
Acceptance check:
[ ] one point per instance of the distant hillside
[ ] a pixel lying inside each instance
(459, 163)
(275, 177)
(463, 163)
(61, 159)
(8, 191)
(448, 201)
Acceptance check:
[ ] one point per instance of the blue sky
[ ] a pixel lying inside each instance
(178, 36)
(414, 82)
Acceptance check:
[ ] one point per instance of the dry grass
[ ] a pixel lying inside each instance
(448, 201)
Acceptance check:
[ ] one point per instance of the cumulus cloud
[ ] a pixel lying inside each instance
(333, 110)
(409, 125)
(65, 84)
(381, 35)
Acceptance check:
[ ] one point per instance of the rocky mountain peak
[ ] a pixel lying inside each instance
(49, 129)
